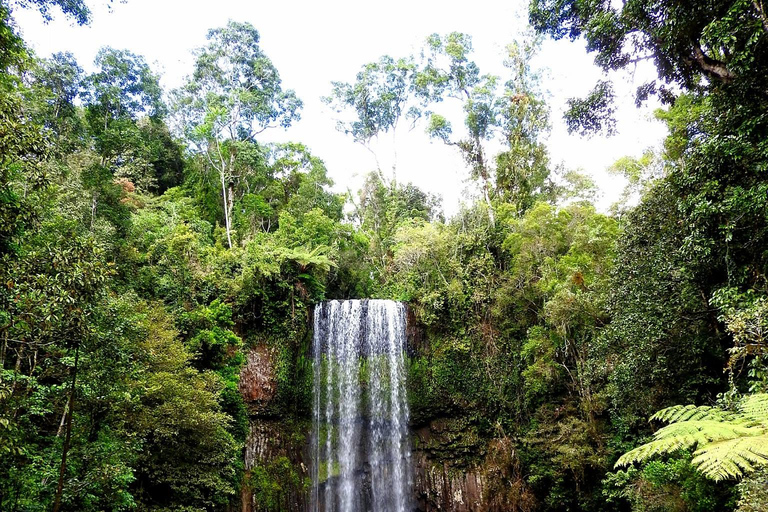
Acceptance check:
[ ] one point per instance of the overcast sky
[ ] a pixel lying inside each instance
(313, 43)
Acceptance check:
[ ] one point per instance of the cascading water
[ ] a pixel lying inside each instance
(361, 452)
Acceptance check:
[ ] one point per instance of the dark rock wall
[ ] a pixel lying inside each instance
(276, 465)
(456, 471)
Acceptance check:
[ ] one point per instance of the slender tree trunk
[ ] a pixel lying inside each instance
(484, 175)
(230, 202)
(759, 6)
(487, 196)
(63, 422)
(93, 210)
(226, 208)
(3, 352)
(68, 435)
(17, 368)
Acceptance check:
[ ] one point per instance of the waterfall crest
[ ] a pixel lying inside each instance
(361, 451)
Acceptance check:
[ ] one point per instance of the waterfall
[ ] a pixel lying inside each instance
(361, 451)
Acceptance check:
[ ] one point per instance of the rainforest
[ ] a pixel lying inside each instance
(194, 317)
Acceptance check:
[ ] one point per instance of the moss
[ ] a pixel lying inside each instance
(275, 485)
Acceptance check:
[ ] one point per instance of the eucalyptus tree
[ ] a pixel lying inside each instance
(234, 94)
(448, 72)
(381, 96)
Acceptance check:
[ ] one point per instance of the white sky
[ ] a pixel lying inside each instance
(312, 43)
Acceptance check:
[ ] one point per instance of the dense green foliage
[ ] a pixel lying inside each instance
(152, 247)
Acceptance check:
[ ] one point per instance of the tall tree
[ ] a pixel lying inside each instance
(449, 72)
(523, 167)
(381, 95)
(234, 94)
(55, 85)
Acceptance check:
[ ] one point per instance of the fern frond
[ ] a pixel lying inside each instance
(656, 447)
(756, 407)
(708, 431)
(732, 458)
(678, 413)
(728, 444)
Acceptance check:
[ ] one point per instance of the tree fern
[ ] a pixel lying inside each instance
(728, 444)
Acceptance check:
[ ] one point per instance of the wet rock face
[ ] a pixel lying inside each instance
(257, 378)
(445, 477)
(456, 471)
(266, 441)
(441, 487)
(416, 343)
(274, 449)
(274, 455)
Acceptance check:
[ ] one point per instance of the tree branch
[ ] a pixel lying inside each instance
(761, 11)
(711, 67)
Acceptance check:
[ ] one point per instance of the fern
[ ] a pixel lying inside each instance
(728, 444)
(756, 407)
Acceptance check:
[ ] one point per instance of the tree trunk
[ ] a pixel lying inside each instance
(226, 208)
(67, 436)
(487, 196)
(484, 175)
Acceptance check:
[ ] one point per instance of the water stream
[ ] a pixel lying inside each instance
(361, 452)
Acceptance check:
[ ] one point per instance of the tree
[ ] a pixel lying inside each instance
(13, 53)
(75, 9)
(523, 167)
(122, 91)
(701, 46)
(23, 149)
(383, 206)
(382, 94)
(448, 72)
(234, 94)
(55, 85)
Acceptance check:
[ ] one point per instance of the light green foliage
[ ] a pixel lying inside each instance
(449, 73)
(523, 167)
(56, 84)
(728, 444)
(745, 317)
(390, 89)
(381, 95)
(274, 485)
(210, 337)
(122, 91)
(753, 492)
(640, 173)
(23, 149)
(187, 454)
